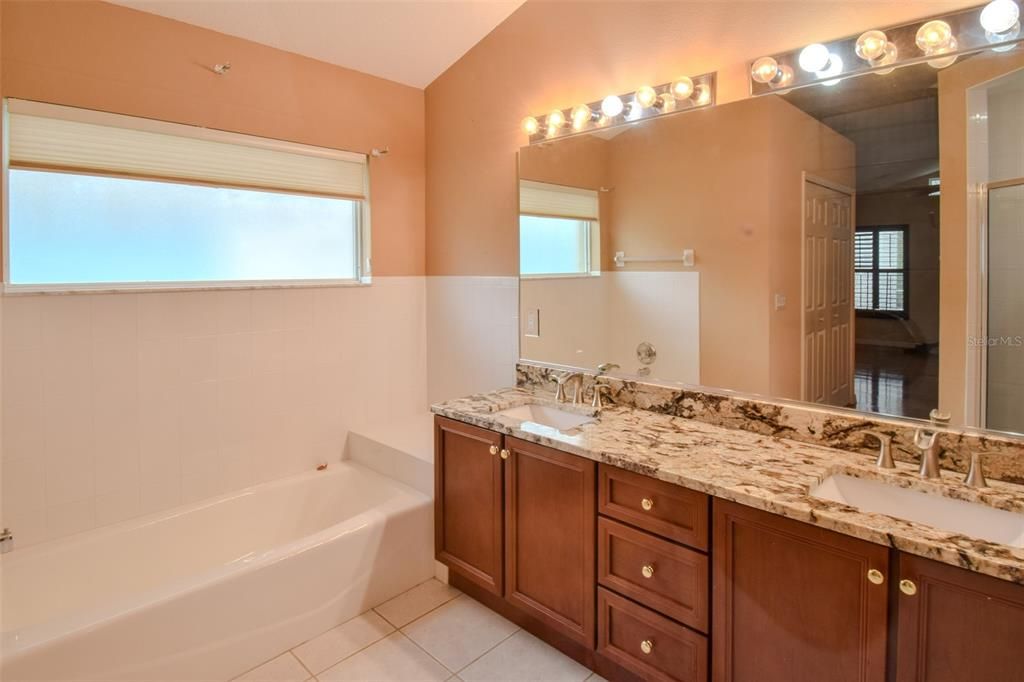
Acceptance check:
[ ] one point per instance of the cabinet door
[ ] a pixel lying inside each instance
(793, 602)
(468, 502)
(550, 531)
(957, 625)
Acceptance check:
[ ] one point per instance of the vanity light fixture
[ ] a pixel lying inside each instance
(938, 41)
(647, 101)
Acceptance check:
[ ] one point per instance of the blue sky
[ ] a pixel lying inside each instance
(68, 228)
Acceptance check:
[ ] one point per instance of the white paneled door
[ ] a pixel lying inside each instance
(828, 296)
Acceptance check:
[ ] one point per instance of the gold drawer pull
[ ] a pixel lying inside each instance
(505, 453)
(908, 587)
(875, 576)
(647, 646)
(494, 449)
(647, 503)
(647, 571)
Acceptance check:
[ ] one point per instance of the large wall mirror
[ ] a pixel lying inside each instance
(859, 245)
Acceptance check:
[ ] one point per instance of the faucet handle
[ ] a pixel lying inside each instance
(924, 439)
(600, 389)
(939, 418)
(976, 474)
(884, 460)
(606, 367)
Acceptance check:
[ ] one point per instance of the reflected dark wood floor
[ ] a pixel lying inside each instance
(896, 381)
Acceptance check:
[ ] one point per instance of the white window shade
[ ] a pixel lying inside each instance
(43, 136)
(557, 201)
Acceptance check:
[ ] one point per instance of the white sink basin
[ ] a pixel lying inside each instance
(553, 418)
(955, 516)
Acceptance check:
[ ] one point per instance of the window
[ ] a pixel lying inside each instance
(100, 200)
(558, 230)
(880, 270)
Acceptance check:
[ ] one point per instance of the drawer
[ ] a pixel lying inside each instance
(671, 652)
(655, 572)
(656, 506)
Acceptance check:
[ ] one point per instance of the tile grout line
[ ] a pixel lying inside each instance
(422, 615)
(359, 650)
(413, 642)
(504, 639)
(304, 666)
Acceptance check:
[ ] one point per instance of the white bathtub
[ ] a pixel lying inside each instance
(206, 591)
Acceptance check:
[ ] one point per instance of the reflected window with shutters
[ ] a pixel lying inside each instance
(881, 268)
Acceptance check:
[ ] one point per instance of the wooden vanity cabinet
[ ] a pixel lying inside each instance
(550, 525)
(468, 502)
(956, 625)
(519, 521)
(793, 602)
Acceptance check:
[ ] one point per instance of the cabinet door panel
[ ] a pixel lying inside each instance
(793, 603)
(550, 535)
(958, 626)
(468, 502)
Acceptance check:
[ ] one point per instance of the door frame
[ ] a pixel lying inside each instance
(976, 378)
(813, 179)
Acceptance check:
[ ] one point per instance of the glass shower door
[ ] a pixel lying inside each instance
(1004, 394)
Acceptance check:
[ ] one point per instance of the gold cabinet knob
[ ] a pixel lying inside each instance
(494, 449)
(647, 646)
(647, 571)
(505, 453)
(647, 503)
(875, 577)
(908, 587)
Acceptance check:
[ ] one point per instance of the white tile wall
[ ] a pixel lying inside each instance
(115, 405)
(472, 332)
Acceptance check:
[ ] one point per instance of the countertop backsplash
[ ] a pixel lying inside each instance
(816, 425)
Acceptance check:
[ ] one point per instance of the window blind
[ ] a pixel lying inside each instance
(54, 137)
(557, 201)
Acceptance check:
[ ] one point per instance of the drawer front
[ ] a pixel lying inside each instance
(656, 506)
(657, 573)
(648, 644)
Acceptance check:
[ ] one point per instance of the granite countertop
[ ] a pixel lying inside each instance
(772, 474)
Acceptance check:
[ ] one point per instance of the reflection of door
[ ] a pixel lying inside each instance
(1003, 348)
(827, 300)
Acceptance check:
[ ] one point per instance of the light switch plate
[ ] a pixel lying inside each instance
(780, 301)
(533, 322)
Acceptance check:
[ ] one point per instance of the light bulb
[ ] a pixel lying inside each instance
(999, 16)
(682, 88)
(530, 125)
(814, 58)
(701, 95)
(933, 36)
(1004, 37)
(871, 45)
(556, 119)
(944, 61)
(784, 77)
(667, 102)
(646, 96)
(834, 68)
(611, 106)
(764, 70)
(581, 116)
(888, 57)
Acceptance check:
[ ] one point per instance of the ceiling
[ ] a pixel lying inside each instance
(408, 41)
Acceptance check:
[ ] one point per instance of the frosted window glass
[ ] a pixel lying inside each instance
(553, 246)
(84, 229)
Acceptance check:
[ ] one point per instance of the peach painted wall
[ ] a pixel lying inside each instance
(102, 56)
(553, 54)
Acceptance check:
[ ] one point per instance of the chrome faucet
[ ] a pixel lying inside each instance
(884, 460)
(927, 442)
(600, 389)
(574, 378)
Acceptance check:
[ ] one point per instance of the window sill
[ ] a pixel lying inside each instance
(152, 287)
(574, 275)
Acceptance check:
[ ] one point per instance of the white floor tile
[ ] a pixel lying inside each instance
(284, 668)
(524, 657)
(393, 659)
(339, 643)
(459, 632)
(412, 604)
